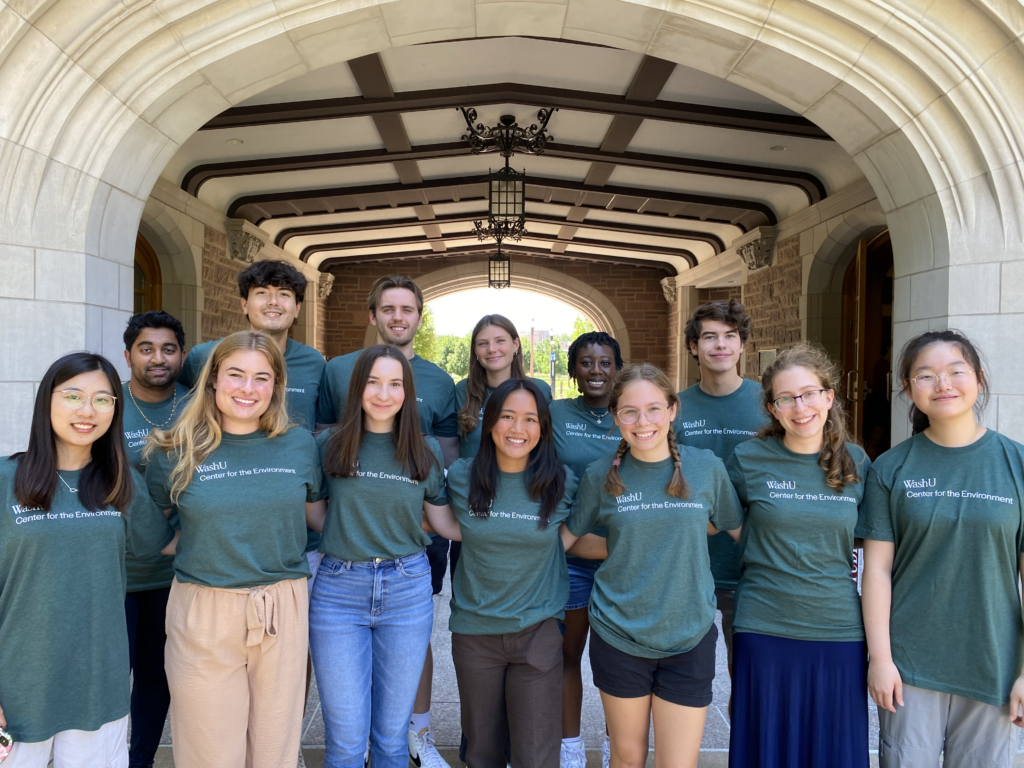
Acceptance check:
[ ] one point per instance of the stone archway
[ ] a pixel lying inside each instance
(97, 98)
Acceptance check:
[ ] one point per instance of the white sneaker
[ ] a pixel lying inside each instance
(572, 757)
(422, 751)
(606, 751)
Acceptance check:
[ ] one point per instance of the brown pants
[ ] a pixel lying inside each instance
(511, 686)
(236, 664)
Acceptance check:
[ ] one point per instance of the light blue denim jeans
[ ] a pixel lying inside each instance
(369, 627)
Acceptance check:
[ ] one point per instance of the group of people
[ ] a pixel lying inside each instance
(269, 514)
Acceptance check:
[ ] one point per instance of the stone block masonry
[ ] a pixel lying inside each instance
(222, 313)
(635, 291)
(772, 298)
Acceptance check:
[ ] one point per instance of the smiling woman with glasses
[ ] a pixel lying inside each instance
(943, 537)
(798, 647)
(658, 501)
(73, 507)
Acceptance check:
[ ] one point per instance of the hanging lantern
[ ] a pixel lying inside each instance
(499, 270)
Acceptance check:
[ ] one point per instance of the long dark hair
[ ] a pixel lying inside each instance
(476, 382)
(919, 420)
(677, 485)
(341, 454)
(546, 473)
(835, 459)
(107, 479)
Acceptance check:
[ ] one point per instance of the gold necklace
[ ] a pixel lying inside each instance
(170, 418)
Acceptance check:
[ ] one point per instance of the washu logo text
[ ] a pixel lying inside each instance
(628, 497)
(919, 483)
(694, 424)
(782, 485)
(212, 467)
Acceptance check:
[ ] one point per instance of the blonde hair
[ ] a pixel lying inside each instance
(613, 484)
(835, 459)
(197, 432)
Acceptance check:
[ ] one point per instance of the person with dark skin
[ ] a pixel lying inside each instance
(584, 432)
(154, 350)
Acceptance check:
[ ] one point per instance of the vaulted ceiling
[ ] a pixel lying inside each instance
(650, 162)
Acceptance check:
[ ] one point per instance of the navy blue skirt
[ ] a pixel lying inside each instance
(798, 703)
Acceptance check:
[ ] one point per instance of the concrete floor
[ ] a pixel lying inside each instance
(445, 710)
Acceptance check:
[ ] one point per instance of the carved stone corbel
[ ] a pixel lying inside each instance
(245, 240)
(326, 285)
(757, 253)
(668, 287)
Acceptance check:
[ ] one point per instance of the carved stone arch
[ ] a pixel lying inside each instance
(180, 255)
(588, 301)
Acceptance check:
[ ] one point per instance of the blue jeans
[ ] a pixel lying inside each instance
(369, 627)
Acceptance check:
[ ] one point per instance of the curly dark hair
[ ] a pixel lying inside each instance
(732, 313)
(600, 338)
(278, 274)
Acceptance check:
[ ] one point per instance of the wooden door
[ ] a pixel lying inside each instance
(147, 277)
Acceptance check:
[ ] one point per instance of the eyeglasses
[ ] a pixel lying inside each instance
(811, 399)
(654, 414)
(957, 377)
(74, 400)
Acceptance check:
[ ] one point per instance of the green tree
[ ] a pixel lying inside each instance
(580, 326)
(425, 343)
(453, 355)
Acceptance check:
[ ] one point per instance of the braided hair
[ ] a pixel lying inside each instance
(677, 485)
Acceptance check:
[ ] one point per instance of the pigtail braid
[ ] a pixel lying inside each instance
(677, 485)
(613, 482)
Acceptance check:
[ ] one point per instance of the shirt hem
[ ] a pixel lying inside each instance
(839, 637)
(93, 724)
(185, 579)
(931, 685)
(632, 649)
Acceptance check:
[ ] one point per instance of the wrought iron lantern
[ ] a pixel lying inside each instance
(506, 203)
(499, 270)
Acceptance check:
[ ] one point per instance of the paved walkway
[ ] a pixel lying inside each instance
(445, 709)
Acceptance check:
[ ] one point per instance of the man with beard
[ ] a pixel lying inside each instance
(396, 311)
(154, 346)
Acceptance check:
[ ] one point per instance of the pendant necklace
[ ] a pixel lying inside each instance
(174, 406)
(73, 490)
(597, 416)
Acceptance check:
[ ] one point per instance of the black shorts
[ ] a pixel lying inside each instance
(437, 556)
(683, 679)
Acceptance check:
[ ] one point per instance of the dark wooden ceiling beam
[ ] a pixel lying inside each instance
(809, 184)
(681, 253)
(517, 93)
(337, 264)
(312, 230)
(744, 214)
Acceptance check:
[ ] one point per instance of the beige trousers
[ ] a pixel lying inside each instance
(236, 667)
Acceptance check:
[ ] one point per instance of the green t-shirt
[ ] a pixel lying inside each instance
(435, 394)
(378, 513)
(154, 571)
(470, 444)
(511, 574)
(654, 595)
(579, 438)
(304, 367)
(954, 515)
(63, 638)
(243, 516)
(720, 424)
(797, 544)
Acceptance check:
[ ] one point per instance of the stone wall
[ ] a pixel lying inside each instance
(772, 298)
(635, 291)
(704, 295)
(222, 313)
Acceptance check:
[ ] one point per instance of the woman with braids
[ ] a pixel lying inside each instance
(653, 605)
(371, 613)
(511, 585)
(799, 698)
(495, 356)
(584, 431)
(943, 542)
(72, 504)
(239, 476)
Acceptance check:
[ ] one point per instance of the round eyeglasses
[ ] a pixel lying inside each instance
(654, 414)
(957, 377)
(74, 400)
(811, 399)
